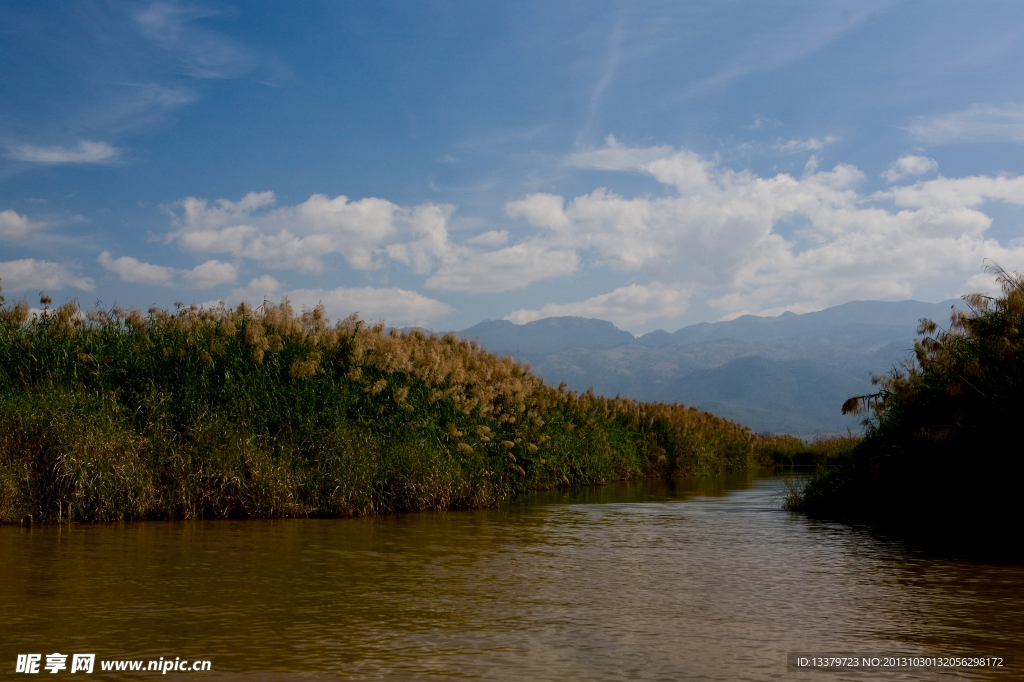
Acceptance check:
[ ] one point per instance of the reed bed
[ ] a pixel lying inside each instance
(786, 450)
(265, 412)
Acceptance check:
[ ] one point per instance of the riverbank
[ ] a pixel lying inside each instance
(229, 413)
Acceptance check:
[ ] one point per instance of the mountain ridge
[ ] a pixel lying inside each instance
(812, 360)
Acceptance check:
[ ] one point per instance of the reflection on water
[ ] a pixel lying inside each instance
(700, 580)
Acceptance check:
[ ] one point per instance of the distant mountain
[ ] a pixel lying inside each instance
(903, 314)
(549, 335)
(789, 373)
(792, 396)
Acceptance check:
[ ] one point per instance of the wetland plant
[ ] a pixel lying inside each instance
(235, 412)
(942, 453)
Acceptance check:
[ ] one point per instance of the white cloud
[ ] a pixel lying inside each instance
(543, 210)
(227, 240)
(429, 224)
(297, 237)
(354, 228)
(15, 226)
(626, 306)
(983, 282)
(723, 234)
(198, 215)
(29, 273)
(210, 274)
(960, 194)
(395, 306)
(370, 231)
(910, 165)
(288, 250)
(203, 276)
(977, 124)
(135, 271)
(744, 243)
(84, 152)
(507, 269)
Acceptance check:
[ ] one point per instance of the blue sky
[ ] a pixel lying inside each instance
(651, 163)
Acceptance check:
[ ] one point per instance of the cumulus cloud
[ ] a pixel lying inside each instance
(959, 197)
(16, 226)
(396, 306)
(297, 237)
(506, 269)
(543, 210)
(910, 165)
(626, 306)
(210, 274)
(135, 271)
(743, 242)
(976, 124)
(203, 276)
(84, 152)
(982, 282)
(722, 233)
(198, 214)
(29, 273)
(429, 226)
(368, 233)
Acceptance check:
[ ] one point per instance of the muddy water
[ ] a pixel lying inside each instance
(700, 580)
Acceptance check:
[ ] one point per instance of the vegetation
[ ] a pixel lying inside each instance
(942, 451)
(788, 451)
(265, 412)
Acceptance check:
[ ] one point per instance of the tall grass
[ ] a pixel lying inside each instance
(240, 412)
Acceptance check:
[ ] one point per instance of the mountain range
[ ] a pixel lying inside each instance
(785, 374)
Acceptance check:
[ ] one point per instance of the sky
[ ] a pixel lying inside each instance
(655, 164)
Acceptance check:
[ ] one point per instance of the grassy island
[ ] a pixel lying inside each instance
(942, 456)
(199, 413)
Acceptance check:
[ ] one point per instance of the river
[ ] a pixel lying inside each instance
(706, 579)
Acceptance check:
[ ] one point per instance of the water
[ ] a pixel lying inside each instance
(702, 580)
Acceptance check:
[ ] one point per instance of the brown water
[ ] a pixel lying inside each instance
(705, 580)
